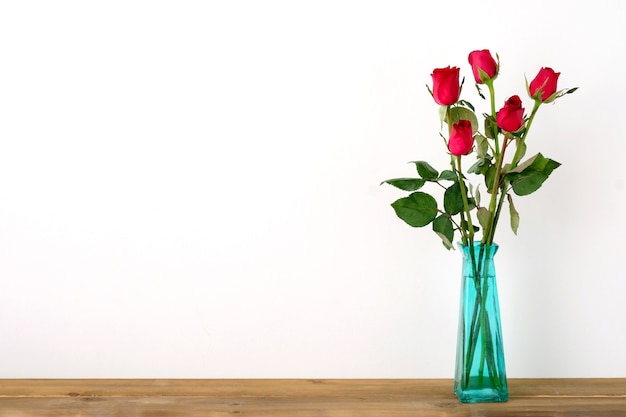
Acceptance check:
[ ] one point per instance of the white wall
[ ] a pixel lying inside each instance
(191, 189)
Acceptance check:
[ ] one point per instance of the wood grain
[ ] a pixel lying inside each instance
(302, 397)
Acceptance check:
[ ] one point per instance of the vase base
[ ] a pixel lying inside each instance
(484, 395)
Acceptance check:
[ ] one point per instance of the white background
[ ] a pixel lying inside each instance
(191, 188)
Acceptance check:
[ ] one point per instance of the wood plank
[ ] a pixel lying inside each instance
(296, 387)
(300, 397)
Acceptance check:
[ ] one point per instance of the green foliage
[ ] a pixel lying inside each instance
(513, 214)
(502, 175)
(529, 176)
(417, 210)
(466, 104)
(426, 171)
(462, 113)
(453, 199)
(480, 93)
(490, 176)
(490, 127)
(477, 196)
(481, 166)
(447, 175)
(483, 215)
(482, 146)
(442, 225)
(560, 93)
(406, 184)
(521, 147)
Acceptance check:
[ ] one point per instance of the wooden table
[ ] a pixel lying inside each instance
(302, 397)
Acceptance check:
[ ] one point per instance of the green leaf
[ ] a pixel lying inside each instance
(483, 215)
(462, 113)
(466, 104)
(442, 225)
(447, 175)
(490, 127)
(442, 113)
(426, 171)
(453, 199)
(465, 226)
(480, 93)
(513, 214)
(530, 175)
(482, 146)
(406, 184)
(559, 94)
(490, 177)
(417, 210)
(481, 165)
(524, 165)
(519, 143)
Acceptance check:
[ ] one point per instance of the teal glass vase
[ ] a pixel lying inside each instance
(480, 374)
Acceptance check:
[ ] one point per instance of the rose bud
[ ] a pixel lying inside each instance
(446, 87)
(511, 116)
(544, 84)
(482, 61)
(461, 138)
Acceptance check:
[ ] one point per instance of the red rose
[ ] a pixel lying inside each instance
(461, 138)
(544, 84)
(511, 116)
(446, 87)
(482, 60)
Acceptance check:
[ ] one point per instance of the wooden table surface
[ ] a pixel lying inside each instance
(302, 397)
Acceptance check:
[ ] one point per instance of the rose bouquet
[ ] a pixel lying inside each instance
(498, 145)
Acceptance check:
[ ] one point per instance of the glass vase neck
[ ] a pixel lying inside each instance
(489, 250)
